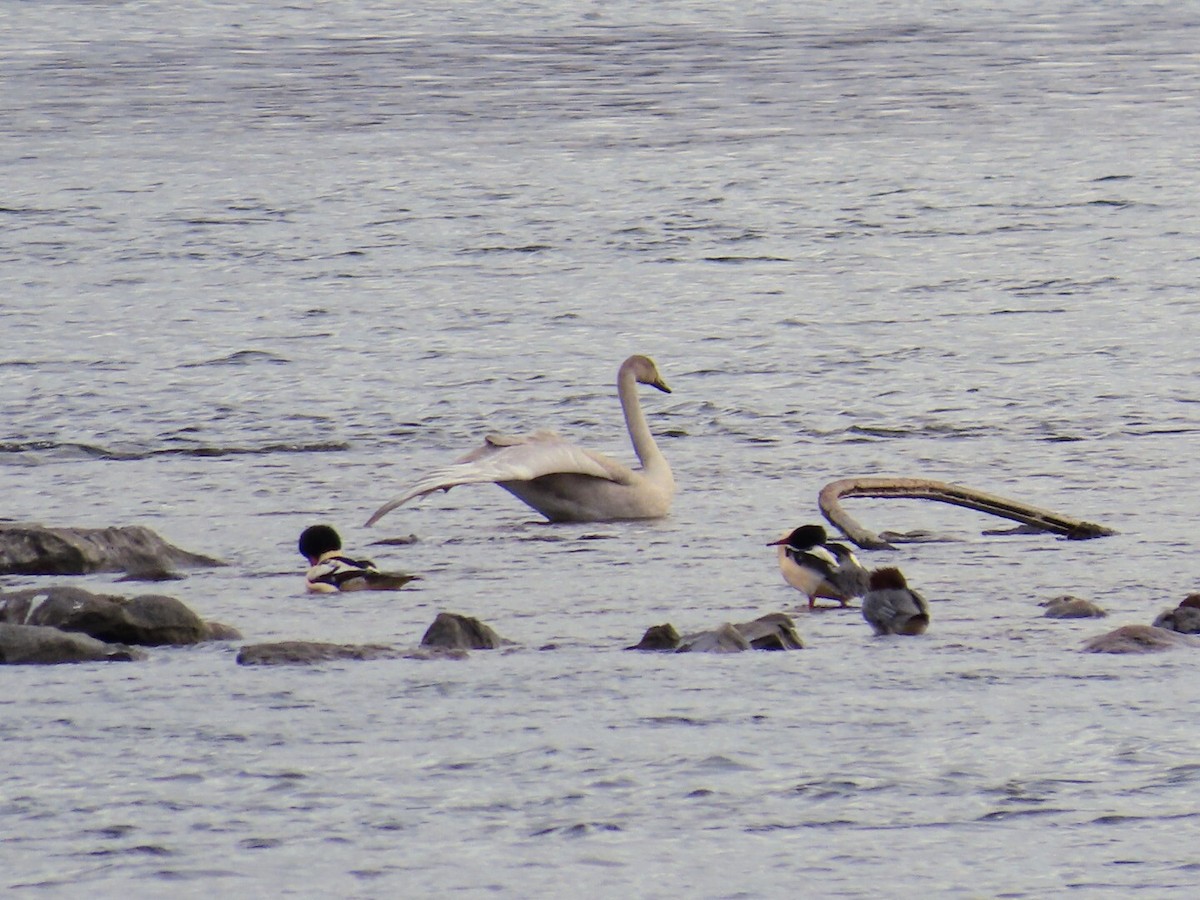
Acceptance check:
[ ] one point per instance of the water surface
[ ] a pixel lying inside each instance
(262, 266)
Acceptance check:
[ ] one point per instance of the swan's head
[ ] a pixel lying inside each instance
(645, 371)
(803, 538)
(317, 540)
(888, 579)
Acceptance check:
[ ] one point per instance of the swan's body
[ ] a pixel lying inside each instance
(818, 568)
(563, 482)
(891, 607)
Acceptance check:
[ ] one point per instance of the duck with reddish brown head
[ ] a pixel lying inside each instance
(1185, 618)
(892, 607)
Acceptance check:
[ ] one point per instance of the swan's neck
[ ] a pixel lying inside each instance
(635, 420)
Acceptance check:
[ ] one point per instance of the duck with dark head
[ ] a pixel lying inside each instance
(818, 567)
(330, 571)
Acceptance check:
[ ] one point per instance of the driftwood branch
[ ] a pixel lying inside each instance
(925, 489)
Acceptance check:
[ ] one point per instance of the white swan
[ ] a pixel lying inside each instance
(563, 482)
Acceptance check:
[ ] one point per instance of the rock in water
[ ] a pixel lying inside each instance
(41, 645)
(27, 549)
(148, 620)
(1139, 639)
(774, 631)
(306, 653)
(293, 653)
(724, 639)
(1069, 607)
(658, 637)
(459, 632)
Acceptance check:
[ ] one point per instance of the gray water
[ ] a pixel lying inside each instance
(262, 264)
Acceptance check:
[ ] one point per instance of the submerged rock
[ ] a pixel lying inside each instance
(219, 631)
(722, 639)
(454, 631)
(29, 549)
(149, 620)
(1139, 639)
(42, 645)
(291, 653)
(774, 631)
(1068, 607)
(658, 637)
(300, 653)
(152, 571)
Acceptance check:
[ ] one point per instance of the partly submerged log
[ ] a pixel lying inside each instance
(959, 495)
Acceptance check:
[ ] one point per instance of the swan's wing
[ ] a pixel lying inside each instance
(513, 458)
(507, 457)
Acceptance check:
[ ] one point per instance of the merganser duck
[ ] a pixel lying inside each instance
(330, 572)
(892, 607)
(1185, 618)
(819, 568)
